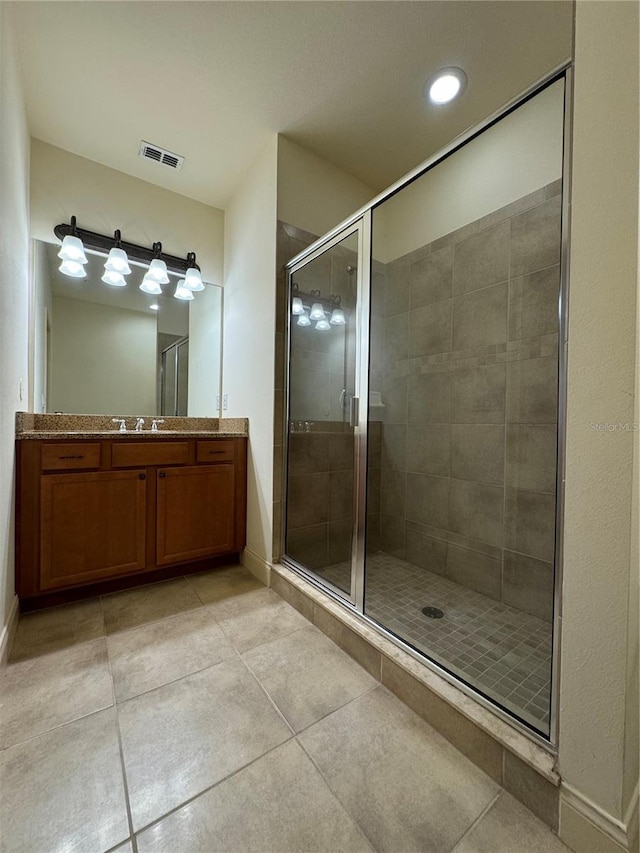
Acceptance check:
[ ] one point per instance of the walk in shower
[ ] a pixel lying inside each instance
(433, 510)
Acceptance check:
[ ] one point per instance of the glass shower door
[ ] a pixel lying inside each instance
(322, 431)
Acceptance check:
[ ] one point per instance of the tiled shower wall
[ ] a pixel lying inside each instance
(465, 351)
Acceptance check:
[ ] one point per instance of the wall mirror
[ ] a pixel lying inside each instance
(99, 349)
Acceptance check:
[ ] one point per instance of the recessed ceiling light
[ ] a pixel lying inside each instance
(446, 85)
(154, 306)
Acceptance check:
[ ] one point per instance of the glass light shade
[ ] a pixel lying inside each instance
(323, 326)
(317, 311)
(73, 268)
(183, 292)
(296, 305)
(193, 280)
(157, 271)
(337, 317)
(303, 319)
(154, 306)
(150, 285)
(118, 262)
(72, 249)
(115, 279)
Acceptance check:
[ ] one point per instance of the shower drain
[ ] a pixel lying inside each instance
(433, 612)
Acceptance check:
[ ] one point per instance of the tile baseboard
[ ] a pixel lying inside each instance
(8, 632)
(257, 565)
(585, 827)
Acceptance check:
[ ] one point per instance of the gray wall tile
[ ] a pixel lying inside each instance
(535, 238)
(428, 449)
(396, 289)
(427, 499)
(394, 397)
(531, 457)
(533, 304)
(478, 394)
(339, 540)
(340, 495)
(392, 535)
(528, 585)
(477, 452)
(394, 446)
(532, 391)
(392, 492)
(482, 259)
(308, 545)
(308, 500)
(475, 571)
(430, 329)
(431, 278)
(396, 335)
(426, 552)
(430, 397)
(476, 510)
(480, 318)
(308, 453)
(530, 523)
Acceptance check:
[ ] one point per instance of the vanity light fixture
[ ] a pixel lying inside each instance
(159, 263)
(337, 317)
(183, 292)
(446, 85)
(296, 306)
(303, 319)
(117, 260)
(323, 325)
(317, 312)
(193, 278)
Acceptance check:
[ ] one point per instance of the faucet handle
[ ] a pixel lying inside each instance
(155, 422)
(139, 424)
(121, 421)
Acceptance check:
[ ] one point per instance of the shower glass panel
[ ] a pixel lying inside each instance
(322, 413)
(463, 390)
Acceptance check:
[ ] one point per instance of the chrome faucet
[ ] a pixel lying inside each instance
(121, 421)
(139, 424)
(155, 422)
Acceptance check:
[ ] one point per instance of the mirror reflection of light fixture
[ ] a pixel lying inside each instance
(75, 269)
(154, 306)
(296, 306)
(303, 319)
(151, 286)
(115, 279)
(323, 325)
(117, 260)
(193, 277)
(337, 317)
(317, 312)
(183, 292)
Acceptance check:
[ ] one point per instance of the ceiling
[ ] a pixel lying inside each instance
(213, 81)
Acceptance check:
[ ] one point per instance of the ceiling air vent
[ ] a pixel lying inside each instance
(161, 155)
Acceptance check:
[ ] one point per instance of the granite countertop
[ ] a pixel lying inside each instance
(78, 427)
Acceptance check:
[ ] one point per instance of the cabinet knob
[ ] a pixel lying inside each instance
(162, 474)
(142, 476)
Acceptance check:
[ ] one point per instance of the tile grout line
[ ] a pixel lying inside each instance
(480, 817)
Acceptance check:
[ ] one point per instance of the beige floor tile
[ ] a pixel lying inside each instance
(307, 676)
(257, 617)
(407, 788)
(220, 584)
(508, 827)
(57, 628)
(63, 790)
(43, 692)
(135, 607)
(277, 805)
(147, 657)
(123, 848)
(182, 738)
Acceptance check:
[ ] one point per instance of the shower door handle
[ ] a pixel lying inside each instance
(354, 411)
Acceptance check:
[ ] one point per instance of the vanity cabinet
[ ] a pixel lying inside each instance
(95, 515)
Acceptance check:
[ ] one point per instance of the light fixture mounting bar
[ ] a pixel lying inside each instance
(103, 243)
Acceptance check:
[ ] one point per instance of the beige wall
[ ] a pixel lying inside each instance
(103, 359)
(103, 199)
(249, 326)
(313, 194)
(205, 320)
(14, 290)
(507, 162)
(598, 693)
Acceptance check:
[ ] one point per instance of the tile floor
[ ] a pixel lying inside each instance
(501, 651)
(205, 714)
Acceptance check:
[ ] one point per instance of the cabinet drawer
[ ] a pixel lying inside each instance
(149, 453)
(218, 450)
(62, 457)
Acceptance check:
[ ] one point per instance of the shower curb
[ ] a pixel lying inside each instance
(522, 767)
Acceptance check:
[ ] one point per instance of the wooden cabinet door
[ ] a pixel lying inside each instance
(92, 527)
(196, 512)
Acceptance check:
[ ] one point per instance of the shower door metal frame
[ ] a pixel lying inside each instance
(363, 218)
(362, 228)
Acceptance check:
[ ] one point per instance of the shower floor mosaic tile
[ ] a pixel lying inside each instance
(501, 651)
